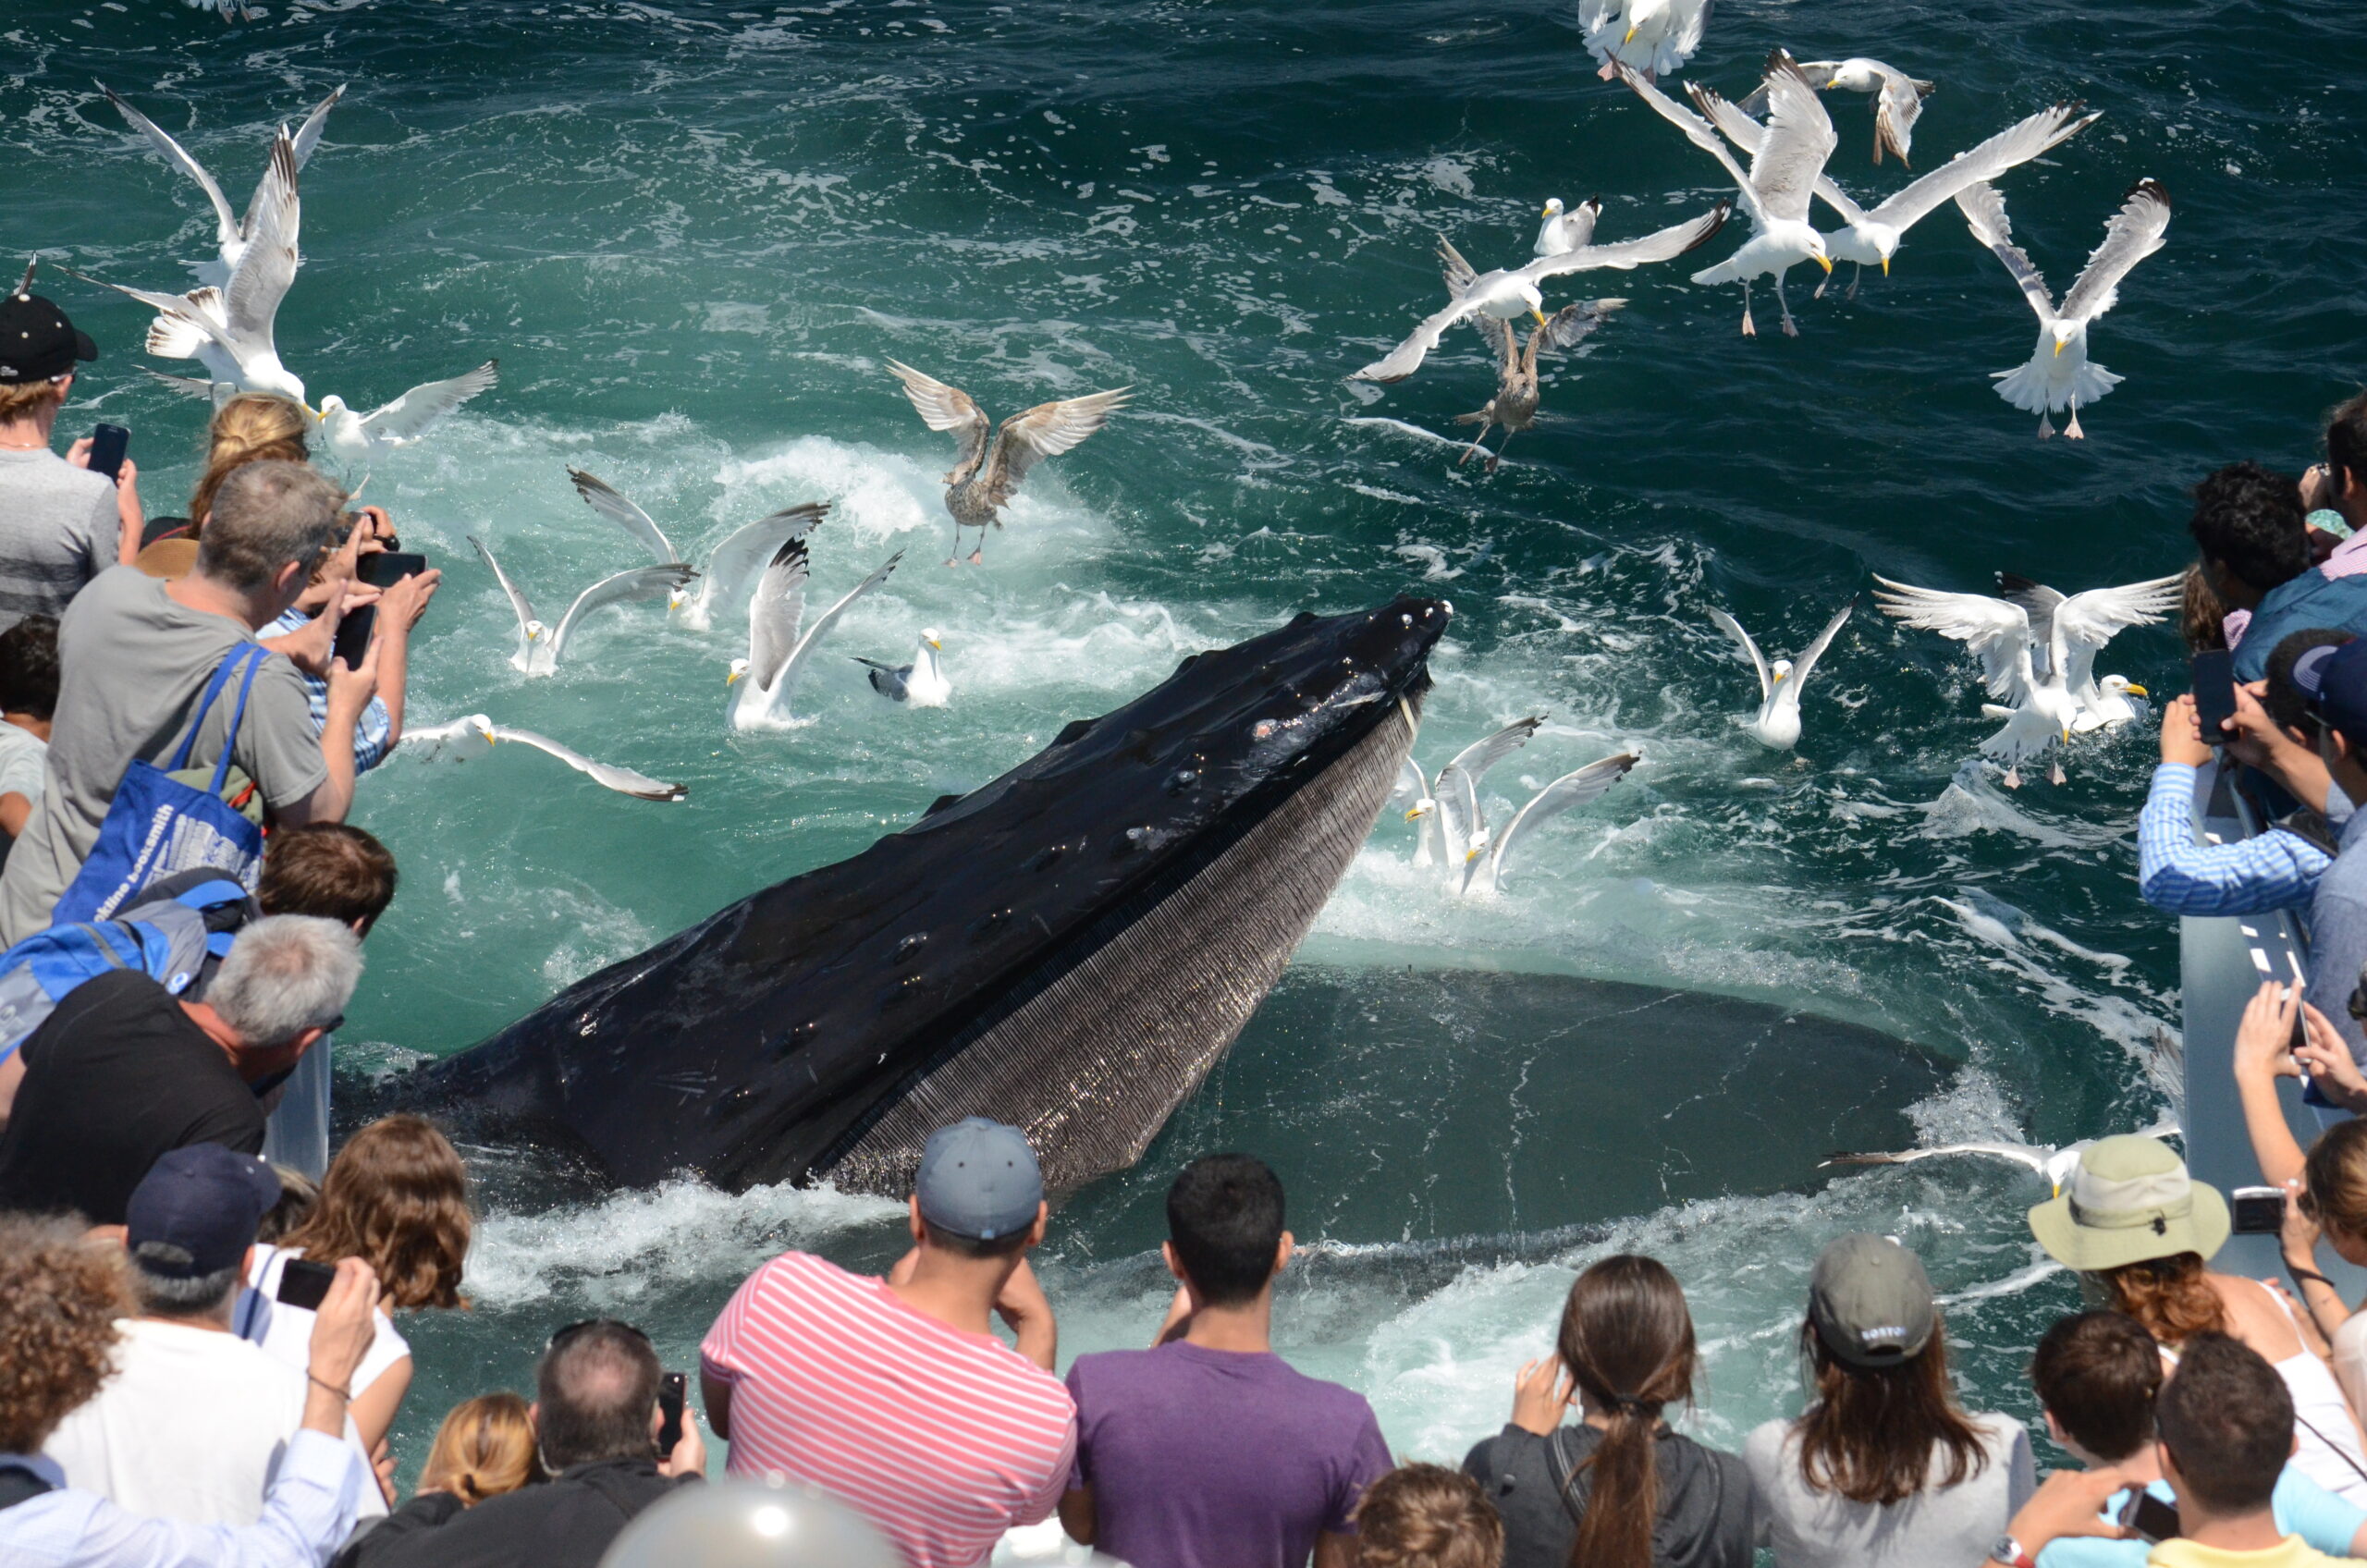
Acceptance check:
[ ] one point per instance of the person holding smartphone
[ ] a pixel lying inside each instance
(60, 525)
(307, 632)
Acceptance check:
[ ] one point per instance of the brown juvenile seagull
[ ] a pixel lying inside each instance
(1514, 404)
(985, 478)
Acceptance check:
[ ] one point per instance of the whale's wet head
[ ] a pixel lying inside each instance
(1069, 948)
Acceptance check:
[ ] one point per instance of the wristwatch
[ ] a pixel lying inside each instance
(2009, 1551)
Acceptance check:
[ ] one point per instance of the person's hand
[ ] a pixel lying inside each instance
(2317, 487)
(2253, 738)
(127, 497)
(689, 1457)
(1022, 1299)
(351, 686)
(2068, 1502)
(2299, 1237)
(374, 531)
(78, 454)
(402, 603)
(2264, 1038)
(344, 1326)
(382, 1465)
(1540, 1395)
(2325, 1056)
(1178, 1321)
(2182, 733)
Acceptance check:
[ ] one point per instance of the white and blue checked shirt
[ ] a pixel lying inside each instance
(2271, 870)
(370, 733)
(307, 1514)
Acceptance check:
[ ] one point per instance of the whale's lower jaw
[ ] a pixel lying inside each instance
(1121, 1024)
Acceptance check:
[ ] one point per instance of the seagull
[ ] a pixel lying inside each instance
(1561, 232)
(1897, 100)
(730, 566)
(1566, 793)
(922, 682)
(1653, 36)
(2052, 1161)
(2024, 667)
(231, 236)
(399, 424)
(1797, 140)
(1872, 237)
(1509, 293)
(1514, 404)
(1777, 725)
(2059, 373)
(539, 647)
(984, 480)
(2086, 624)
(623, 780)
(776, 654)
(1449, 811)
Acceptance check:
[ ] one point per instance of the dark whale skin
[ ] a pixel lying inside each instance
(1070, 946)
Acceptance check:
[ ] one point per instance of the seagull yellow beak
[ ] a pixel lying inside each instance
(1885, 267)
(933, 643)
(2058, 348)
(2137, 691)
(1546, 213)
(1824, 262)
(1782, 676)
(1472, 853)
(1539, 316)
(1629, 38)
(733, 678)
(1413, 814)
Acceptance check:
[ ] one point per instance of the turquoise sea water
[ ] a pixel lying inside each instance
(691, 233)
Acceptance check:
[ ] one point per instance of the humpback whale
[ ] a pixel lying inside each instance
(1069, 948)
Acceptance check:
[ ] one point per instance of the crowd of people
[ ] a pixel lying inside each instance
(199, 1360)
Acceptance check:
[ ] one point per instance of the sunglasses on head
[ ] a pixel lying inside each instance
(572, 1329)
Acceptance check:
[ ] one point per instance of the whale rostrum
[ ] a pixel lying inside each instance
(1069, 948)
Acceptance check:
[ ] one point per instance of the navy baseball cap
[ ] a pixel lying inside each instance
(37, 343)
(2332, 680)
(979, 1178)
(204, 1200)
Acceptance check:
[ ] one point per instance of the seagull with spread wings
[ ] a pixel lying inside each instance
(1655, 37)
(623, 780)
(1777, 724)
(1509, 293)
(730, 566)
(985, 479)
(1448, 809)
(401, 422)
(1897, 98)
(1514, 404)
(231, 235)
(2028, 669)
(1483, 867)
(2087, 622)
(1784, 168)
(777, 655)
(2060, 375)
(539, 647)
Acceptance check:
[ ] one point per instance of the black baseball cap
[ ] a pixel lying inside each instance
(2332, 680)
(204, 1200)
(37, 343)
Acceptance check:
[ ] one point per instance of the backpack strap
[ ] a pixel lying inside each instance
(230, 738)
(222, 673)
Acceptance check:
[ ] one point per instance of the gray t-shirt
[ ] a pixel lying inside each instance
(24, 769)
(1957, 1525)
(58, 529)
(132, 664)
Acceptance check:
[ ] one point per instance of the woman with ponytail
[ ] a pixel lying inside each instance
(1617, 1487)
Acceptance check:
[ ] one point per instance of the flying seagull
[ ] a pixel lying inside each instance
(1483, 870)
(1653, 36)
(985, 479)
(1777, 725)
(354, 436)
(921, 683)
(231, 235)
(776, 654)
(1509, 293)
(2022, 668)
(1871, 237)
(623, 780)
(730, 566)
(1448, 809)
(2059, 375)
(2087, 622)
(1563, 232)
(1514, 404)
(1898, 98)
(539, 647)
(1798, 139)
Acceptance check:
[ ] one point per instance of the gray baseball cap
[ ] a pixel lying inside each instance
(1871, 1301)
(979, 1179)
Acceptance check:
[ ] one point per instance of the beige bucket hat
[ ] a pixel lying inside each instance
(2130, 1200)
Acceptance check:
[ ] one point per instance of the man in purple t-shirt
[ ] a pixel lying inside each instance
(1209, 1451)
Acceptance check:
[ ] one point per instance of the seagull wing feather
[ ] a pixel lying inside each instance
(602, 497)
(1661, 245)
(2130, 235)
(1733, 629)
(226, 221)
(1566, 793)
(1984, 214)
(624, 780)
(1996, 631)
(409, 416)
(641, 582)
(942, 406)
(2017, 144)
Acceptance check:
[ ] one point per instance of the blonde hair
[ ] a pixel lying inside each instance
(250, 428)
(485, 1448)
(25, 399)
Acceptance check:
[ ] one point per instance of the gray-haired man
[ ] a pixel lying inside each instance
(135, 654)
(122, 1073)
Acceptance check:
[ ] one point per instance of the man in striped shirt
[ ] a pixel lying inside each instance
(895, 1395)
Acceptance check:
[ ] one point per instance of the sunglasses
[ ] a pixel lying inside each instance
(572, 1329)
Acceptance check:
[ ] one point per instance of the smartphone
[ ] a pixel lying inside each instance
(2149, 1516)
(108, 444)
(305, 1284)
(673, 1388)
(2258, 1211)
(2215, 694)
(383, 570)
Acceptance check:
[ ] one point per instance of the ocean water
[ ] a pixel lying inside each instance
(692, 232)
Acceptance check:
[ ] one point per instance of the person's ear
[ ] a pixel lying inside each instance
(1043, 1223)
(290, 579)
(1282, 1251)
(246, 1265)
(535, 1416)
(1167, 1252)
(920, 1231)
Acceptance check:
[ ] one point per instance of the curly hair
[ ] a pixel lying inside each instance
(2169, 1296)
(60, 1295)
(2201, 618)
(2249, 520)
(1428, 1517)
(396, 1196)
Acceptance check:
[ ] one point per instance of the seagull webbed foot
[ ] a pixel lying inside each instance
(2013, 779)
(2072, 432)
(2045, 428)
(978, 556)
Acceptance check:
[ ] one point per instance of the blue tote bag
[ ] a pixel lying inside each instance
(156, 826)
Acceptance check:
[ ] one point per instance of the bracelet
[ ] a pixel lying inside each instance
(2310, 1274)
(341, 1394)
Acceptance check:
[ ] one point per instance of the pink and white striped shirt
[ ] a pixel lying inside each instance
(942, 1438)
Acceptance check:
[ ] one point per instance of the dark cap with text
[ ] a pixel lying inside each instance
(1871, 1301)
(979, 1178)
(2332, 680)
(200, 1203)
(37, 343)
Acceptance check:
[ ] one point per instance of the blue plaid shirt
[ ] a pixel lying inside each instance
(371, 734)
(2271, 870)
